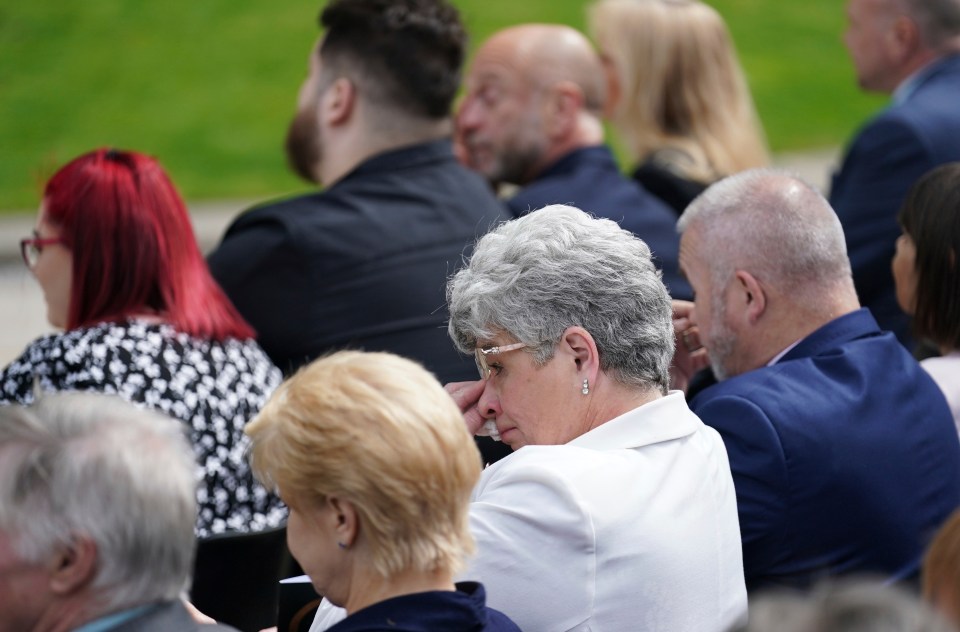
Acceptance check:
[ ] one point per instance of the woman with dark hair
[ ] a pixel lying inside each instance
(121, 273)
(925, 269)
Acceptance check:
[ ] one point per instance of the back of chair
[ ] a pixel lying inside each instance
(235, 577)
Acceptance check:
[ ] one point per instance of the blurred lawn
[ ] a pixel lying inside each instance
(208, 86)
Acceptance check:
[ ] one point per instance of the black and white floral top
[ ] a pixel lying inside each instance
(214, 388)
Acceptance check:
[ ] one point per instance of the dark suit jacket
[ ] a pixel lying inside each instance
(912, 136)
(170, 617)
(363, 264)
(844, 456)
(590, 179)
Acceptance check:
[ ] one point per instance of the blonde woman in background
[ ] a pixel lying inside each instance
(373, 460)
(677, 95)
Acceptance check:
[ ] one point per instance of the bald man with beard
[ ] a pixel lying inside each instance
(531, 117)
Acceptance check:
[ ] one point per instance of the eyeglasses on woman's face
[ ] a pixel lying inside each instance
(31, 247)
(481, 356)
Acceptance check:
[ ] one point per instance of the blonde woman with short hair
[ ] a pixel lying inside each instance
(376, 466)
(676, 94)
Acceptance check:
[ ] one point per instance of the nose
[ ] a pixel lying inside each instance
(468, 116)
(489, 403)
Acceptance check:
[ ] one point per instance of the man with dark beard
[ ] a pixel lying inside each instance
(364, 263)
(843, 450)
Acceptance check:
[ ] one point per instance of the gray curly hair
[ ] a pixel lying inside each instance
(558, 267)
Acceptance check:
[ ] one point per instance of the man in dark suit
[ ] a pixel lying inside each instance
(910, 49)
(532, 117)
(97, 510)
(844, 454)
(364, 263)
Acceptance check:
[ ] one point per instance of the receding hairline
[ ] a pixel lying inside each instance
(544, 54)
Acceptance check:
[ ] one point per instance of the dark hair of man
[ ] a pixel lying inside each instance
(403, 55)
(931, 217)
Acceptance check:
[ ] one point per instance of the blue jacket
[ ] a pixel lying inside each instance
(920, 131)
(437, 611)
(590, 179)
(844, 456)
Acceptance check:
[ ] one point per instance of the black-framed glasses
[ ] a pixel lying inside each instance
(481, 356)
(31, 247)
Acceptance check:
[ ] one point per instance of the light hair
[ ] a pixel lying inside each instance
(941, 566)
(378, 431)
(937, 20)
(853, 605)
(94, 466)
(558, 267)
(777, 227)
(681, 84)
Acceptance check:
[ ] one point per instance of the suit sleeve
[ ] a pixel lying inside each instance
(882, 164)
(259, 267)
(535, 546)
(760, 477)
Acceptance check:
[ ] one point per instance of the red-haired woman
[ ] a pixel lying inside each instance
(122, 275)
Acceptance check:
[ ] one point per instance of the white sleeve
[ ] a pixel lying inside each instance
(535, 544)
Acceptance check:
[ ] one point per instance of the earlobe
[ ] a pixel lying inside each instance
(565, 101)
(582, 349)
(346, 524)
(755, 298)
(905, 36)
(339, 102)
(73, 566)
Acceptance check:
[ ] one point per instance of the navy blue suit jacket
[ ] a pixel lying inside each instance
(919, 132)
(590, 179)
(844, 456)
(363, 264)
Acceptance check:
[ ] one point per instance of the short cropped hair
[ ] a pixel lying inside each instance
(133, 247)
(681, 84)
(931, 217)
(852, 605)
(379, 431)
(404, 55)
(776, 226)
(558, 267)
(95, 466)
(937, 20)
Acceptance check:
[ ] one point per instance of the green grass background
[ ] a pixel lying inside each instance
(208, 86)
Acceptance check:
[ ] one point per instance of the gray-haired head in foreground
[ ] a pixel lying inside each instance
(533, 277)
(777, 227)
(847, 606)
(94, 466)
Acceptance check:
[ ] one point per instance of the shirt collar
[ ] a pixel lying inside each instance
(111, 621)
(663, 419)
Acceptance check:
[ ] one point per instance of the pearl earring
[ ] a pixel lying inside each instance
(586, 387)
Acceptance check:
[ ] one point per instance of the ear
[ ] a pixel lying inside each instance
(338, 102)
(614, 89)
(903, 38)
(345, 523)
(74, 566)
(754, 297)
(578, 346)
(563, 103)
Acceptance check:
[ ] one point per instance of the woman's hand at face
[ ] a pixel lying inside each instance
(467, 395)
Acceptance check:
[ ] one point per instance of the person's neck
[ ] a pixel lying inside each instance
(610, 399)
(373, 588)
(587, 133)
(66, 615)
(346, 150)
(793, 324)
